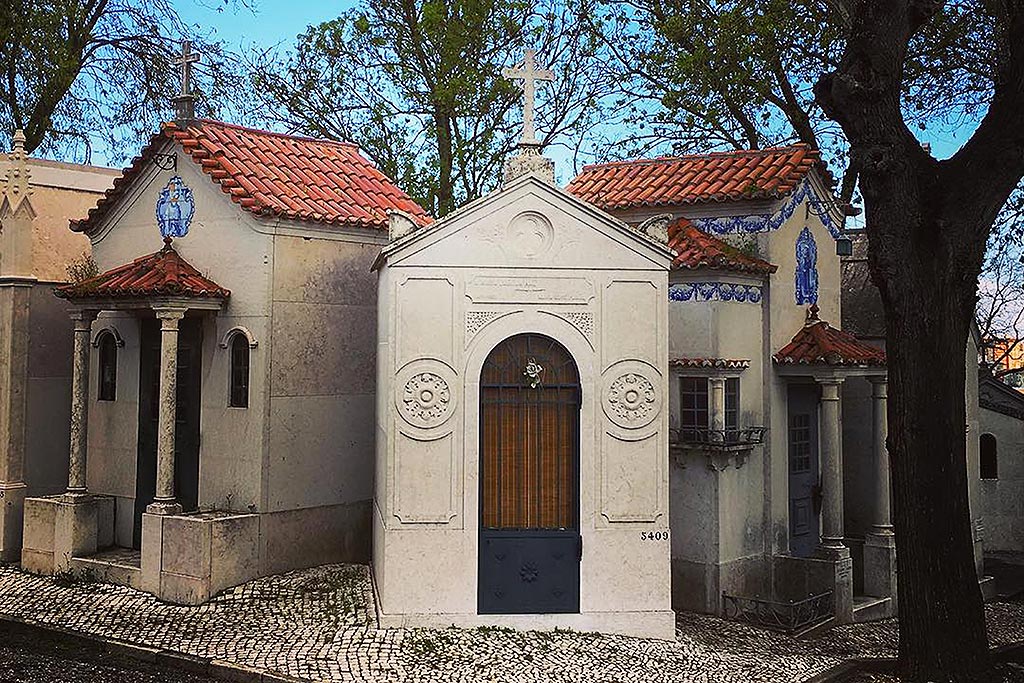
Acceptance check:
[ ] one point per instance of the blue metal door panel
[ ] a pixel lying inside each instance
(529, 573)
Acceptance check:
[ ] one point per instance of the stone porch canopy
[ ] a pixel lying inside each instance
(169, 286)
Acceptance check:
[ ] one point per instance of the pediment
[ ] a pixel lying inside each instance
(529, 224)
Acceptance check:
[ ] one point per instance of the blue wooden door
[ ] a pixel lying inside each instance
(530, 548)
(804, 484)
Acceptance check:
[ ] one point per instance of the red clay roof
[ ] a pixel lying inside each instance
(817, 343)
(164, 273)
(718, 176)
(697, 249)
(271, 174)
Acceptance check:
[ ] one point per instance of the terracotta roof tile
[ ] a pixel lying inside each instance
(164, 273)
(270, 174)
(718, 176)
(697, 249)
(717, 363)
(817, 343)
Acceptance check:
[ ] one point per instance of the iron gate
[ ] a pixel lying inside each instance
(530, 545)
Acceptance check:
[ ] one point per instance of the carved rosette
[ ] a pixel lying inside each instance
(426, 400)
(632, 399)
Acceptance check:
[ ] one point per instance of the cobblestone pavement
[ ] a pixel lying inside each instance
(35, 659)
(319, 624)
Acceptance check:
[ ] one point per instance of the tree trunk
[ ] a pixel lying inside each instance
(941, 614)
(445, 185)
(928, 222)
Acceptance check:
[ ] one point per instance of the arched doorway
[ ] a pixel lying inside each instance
(530, 545)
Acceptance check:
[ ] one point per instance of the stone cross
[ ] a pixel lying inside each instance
(184, 103)
(185, 61)
(529, 75)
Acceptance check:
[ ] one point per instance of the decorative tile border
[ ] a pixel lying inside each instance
(715, 291)
(723, 225)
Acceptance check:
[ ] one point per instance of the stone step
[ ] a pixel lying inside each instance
(868, 608)
(119, 566)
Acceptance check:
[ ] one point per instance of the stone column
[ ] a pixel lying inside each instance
(164, 502)
(717, 407)
(15, 294)
(880, 542)
(80, 404)
(831, 471)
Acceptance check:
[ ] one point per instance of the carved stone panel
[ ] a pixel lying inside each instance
(540, 290)
(425, 319)
(425, 393)
(426, 481)
(630, 315)
(632, 396)
(529, 235)
(631, 474)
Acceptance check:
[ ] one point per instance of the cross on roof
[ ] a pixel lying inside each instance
(185, 61)
(529, 74)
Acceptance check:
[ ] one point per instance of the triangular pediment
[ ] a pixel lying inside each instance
(529, 224)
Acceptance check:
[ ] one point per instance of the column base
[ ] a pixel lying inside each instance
(75, 496)
(842, 582)
(880, 566)
(163, 507)
(12, 514)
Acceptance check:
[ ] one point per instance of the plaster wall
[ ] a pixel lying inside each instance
(49, 393)
(716, 510)
(973, 409)
(323, 361)
(1002, 499)
(463, 288)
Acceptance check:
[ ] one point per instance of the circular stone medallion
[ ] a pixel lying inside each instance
(632, 400)
(425, 400)
(530, 234)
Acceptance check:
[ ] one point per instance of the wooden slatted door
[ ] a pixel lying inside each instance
(529, 478)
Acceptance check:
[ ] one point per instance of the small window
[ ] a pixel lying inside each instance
(239, 371)
(989, 457)
(696, 408)
(694, 414)
(732, 402)
(108, 367)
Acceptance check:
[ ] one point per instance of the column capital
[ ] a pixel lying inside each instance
(879, 386)
(83, 315)
(169, 312)
(829, 388)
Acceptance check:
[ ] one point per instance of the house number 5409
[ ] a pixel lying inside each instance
(653, 535)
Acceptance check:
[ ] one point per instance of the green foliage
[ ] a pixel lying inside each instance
(82, 268)
(82, 72)
(419, 86)
(699, 75)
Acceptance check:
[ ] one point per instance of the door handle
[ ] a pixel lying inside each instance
(579, 548)
(816, 497)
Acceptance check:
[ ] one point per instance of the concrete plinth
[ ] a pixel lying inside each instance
(58, 528)
(187, 559)
(12, 508)
(880, 567)
(842, 573)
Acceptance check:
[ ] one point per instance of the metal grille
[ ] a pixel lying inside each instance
(788, 616)
(529, 437)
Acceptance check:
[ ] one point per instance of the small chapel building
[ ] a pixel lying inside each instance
(223, 394)
(579, 407)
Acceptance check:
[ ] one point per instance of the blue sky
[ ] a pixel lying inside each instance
(272, 22)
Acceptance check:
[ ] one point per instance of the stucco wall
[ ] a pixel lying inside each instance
(1002, 499)
(323, 363)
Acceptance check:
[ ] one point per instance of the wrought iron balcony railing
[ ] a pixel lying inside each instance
(715, 439)
(789, 617)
